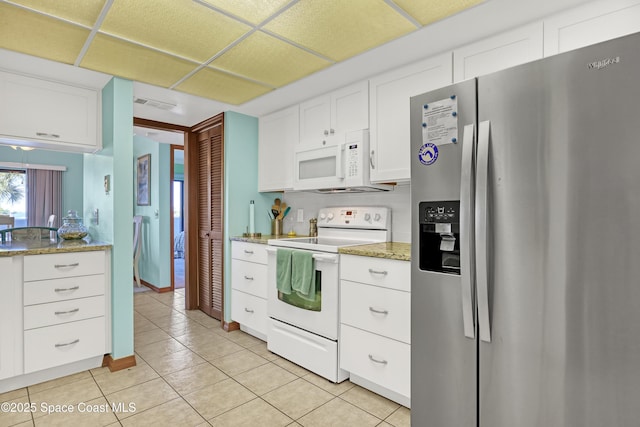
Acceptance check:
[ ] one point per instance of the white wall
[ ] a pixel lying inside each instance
(398, 200)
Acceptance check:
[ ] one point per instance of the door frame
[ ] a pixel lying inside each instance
(190, 283)
(172, 150)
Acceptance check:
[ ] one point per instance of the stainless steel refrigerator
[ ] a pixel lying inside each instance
(525, 193)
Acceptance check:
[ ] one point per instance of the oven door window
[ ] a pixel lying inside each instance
(296, 300)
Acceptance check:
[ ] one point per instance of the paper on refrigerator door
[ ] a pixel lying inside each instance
(440, 122)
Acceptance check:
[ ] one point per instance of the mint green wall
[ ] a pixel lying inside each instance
(241, 186)
(155, 261)
(71, 179)
(116, 208)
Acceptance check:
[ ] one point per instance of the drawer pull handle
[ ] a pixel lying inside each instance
(248, 277)
(373, 310)
(374, 360)
(248, 310)
(49, 135)
(248, 252)
(75, 288)
(372, 271)
(76, 341)
(75, 264)
(75, 310)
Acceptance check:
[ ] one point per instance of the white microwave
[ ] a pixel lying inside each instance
(335, 167)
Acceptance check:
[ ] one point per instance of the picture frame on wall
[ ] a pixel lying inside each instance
(144, 180)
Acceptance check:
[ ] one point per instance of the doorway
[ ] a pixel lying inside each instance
(174, 136)
(177, 220)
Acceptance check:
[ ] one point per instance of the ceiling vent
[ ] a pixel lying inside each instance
(154, 103)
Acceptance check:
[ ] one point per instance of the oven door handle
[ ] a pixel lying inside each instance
(329, 258)
(333, 259)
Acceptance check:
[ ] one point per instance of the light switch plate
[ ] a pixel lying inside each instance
(300, 215)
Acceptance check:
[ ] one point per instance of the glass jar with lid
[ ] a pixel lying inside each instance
(72, 227)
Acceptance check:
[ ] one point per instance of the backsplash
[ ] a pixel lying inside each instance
(398, 200)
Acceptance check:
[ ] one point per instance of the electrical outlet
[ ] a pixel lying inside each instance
(300, 215)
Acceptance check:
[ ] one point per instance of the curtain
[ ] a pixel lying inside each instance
(44, 196)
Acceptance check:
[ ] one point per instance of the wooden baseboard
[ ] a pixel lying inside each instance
(154, 288)
(118, 364)
(232, 326)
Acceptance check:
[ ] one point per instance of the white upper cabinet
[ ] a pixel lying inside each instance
(589, 24)
(50, 115)
(498, 52)
(343, 110)
(278, 136)
(389, 96)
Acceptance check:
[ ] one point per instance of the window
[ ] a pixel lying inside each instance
(13, 195)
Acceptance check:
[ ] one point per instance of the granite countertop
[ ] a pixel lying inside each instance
(39, 247)
(388, 250)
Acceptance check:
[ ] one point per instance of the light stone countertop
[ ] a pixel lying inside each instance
(389, 250)
(39, 247)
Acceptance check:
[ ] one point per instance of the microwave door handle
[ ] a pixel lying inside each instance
(340, 161)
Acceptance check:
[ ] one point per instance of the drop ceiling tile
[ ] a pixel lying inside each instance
(38, 35)
(340, 29)
(430, 11)
(179, 27)
(84, 12)
(222, 87)
(254, 11)
(269, 60)
(128, 60)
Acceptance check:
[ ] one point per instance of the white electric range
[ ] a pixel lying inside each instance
(304, 331)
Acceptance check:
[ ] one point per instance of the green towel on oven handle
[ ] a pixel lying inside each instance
(283, 270)
(303, 275)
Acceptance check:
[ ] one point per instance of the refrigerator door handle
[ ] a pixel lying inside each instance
(482, 230)
(466, 232)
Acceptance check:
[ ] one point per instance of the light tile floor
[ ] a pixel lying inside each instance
(190, 372)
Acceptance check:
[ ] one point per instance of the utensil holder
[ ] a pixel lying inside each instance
(276, 227)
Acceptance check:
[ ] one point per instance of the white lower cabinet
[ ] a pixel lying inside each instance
(380, 360)
(55, 316)
(249, 287)
(11, 318)
(250, 311)
(61, 344)
(375, 325)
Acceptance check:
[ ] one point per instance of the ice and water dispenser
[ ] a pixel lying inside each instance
(440, 236)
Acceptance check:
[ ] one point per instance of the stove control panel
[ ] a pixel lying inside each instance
(370, 217)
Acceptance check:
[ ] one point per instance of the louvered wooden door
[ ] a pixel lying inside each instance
(210, 221)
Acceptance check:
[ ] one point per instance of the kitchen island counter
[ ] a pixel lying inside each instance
(40, 247)
(389, 250)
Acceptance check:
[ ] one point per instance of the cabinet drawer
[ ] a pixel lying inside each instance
(37, 316)
(63, 289)
(253, 252)
(364, 354)
(376, 271)
(249, 277)
(61, 344)
(249, 310)
(55, 266)
(381, 311)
